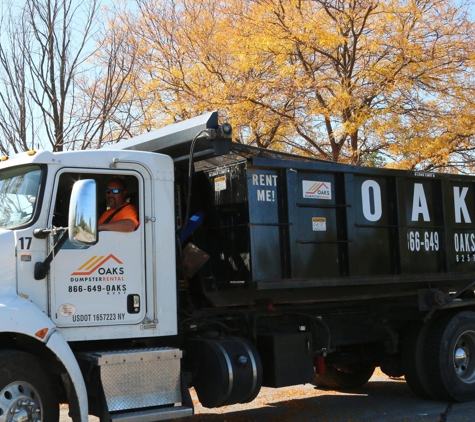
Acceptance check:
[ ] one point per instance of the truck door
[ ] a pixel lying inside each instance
(103, 284)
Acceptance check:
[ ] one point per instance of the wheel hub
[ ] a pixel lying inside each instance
(464, 354)
(461, 359)
(19, 402)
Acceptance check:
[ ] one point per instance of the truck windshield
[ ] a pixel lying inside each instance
(19, 189)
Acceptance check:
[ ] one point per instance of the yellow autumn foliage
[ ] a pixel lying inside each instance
(340, 80)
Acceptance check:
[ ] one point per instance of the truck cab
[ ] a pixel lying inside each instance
(249, 268)
(57, 296)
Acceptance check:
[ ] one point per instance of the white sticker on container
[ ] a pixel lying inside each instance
(316, 190)
(220, 183)
(319, 224)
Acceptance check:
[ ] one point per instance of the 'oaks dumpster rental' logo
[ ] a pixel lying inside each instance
(316, 190)
(100, 268)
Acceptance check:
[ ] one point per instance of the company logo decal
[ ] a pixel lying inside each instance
(94, 264)
(96, 275)
(316, 190)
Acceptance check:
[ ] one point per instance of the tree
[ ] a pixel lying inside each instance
(46, 65)
(341, 80)
(104, 106)
(15, 106)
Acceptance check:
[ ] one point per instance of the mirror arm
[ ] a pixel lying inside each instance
(42, 268)
(44, 233)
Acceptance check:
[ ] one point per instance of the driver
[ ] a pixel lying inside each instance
(120, 215)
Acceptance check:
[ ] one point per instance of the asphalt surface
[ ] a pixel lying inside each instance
(381, 400)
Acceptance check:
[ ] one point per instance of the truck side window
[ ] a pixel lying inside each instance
(61, 206)
(63, 196)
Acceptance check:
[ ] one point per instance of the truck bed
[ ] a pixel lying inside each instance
(292, 229)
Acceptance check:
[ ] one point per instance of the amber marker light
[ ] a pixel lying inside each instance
(42, 333)
(31, 152)
(4, 158)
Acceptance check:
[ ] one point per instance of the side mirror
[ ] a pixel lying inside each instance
(83, 213)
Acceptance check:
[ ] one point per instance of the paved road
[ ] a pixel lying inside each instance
(381, 400)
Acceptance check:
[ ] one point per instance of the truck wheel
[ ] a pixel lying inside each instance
(450, 357)
(344, 377)
(413, 360)
(26, 390)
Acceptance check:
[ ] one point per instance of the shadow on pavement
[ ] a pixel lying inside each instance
(379, 401)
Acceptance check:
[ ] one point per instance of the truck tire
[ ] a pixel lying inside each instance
(450, 357)
(413, 360)
(26, 390)
(345, 377)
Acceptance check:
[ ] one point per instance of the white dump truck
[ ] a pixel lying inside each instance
(249, 268)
